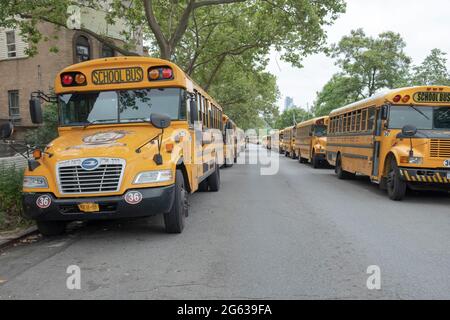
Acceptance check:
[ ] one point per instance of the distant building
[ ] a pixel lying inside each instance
(288, 103)
(22, 75)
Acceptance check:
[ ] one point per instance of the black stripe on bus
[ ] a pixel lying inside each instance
(362, 146)
(355, 156)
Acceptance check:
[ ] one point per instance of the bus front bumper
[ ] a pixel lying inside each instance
(422, 175)
(154, 201)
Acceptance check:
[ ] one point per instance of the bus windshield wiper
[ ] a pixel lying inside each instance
(89, 123)
(419, 111)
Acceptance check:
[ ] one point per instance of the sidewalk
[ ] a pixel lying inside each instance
(7, 238)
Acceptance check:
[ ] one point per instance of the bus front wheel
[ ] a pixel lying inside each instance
(315, 161)
(214, 180)
(396, 187)
(174, 219)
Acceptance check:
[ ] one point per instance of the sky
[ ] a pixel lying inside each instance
(424, 25)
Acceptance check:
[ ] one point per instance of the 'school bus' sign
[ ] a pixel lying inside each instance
(120, 75)
(432, 97)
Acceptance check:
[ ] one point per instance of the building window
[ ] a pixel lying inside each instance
(82, 49)
(107, 51)
(11, 44)
(13, 103)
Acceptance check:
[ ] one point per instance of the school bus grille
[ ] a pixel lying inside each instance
(440, 148)
(75, 179)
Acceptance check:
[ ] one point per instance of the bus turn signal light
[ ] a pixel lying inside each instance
(37, 154)
(169, 147)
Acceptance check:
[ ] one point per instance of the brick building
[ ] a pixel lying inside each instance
(21, 75)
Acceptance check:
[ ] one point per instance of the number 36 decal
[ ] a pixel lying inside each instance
(133, 197)
(44, 201)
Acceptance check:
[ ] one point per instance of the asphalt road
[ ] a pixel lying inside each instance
(300, 234)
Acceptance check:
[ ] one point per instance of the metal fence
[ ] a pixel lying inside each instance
(17, 161)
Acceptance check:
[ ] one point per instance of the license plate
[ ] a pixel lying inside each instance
(448, 175)
(89, 207)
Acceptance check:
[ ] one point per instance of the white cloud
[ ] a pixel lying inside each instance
(423, 25)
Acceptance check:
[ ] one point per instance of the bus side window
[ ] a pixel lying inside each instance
(371, 119)
(340, 124)
(199, 107)
(358, 120)
(364, 120)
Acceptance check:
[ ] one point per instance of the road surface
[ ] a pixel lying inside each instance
(299, 234)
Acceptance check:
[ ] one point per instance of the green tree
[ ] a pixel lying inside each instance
(48, 131)
(376, 63)
(289, 117)
(339, 91)
(27, 14)
(432, 71)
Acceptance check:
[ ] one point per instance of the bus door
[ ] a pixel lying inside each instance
(380, 115)
(197, 145)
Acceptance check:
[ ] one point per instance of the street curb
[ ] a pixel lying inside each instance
(20, 235)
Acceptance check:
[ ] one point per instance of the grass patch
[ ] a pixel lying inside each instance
(11, 199)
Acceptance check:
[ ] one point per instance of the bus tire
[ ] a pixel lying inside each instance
(396, 187)
(214, 180)
(174, 219)
(315, 161)
(341, 173)
(51, 228)
(203, 186)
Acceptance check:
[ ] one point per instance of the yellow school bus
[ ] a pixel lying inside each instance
(230, 141)
(288, 142)
(131, 144)
(399, 139)
(281, 141)
(311, 140)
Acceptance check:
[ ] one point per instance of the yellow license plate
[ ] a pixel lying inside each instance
(89, 207)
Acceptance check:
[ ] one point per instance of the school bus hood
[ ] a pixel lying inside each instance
(103, 142)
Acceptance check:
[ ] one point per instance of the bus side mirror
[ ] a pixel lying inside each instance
(409, 131)
(36, 110)
(6, 130)
(193, 110)
(160, 121)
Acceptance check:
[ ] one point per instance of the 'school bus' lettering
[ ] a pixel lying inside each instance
(122, 75)
(430, 97)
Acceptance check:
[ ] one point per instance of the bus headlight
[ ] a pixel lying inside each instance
(153, 177)
(411, 160)
(31, 182)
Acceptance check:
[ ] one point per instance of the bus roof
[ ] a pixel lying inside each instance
(389, 95)
(180, 79)
(311, 122)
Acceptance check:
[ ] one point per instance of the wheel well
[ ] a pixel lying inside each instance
(387, 163)
(182, 167)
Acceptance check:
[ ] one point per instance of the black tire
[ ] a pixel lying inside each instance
(214, 180)
(396, 187)
(301, 159)
(293, 156)
(51, 228)
(174, 219)
(286, 154)
(315, 161)
(341, 173)
(203, 186)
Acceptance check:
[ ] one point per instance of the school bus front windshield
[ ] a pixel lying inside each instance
(121, 106)
(320, 131)
(423, 118)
